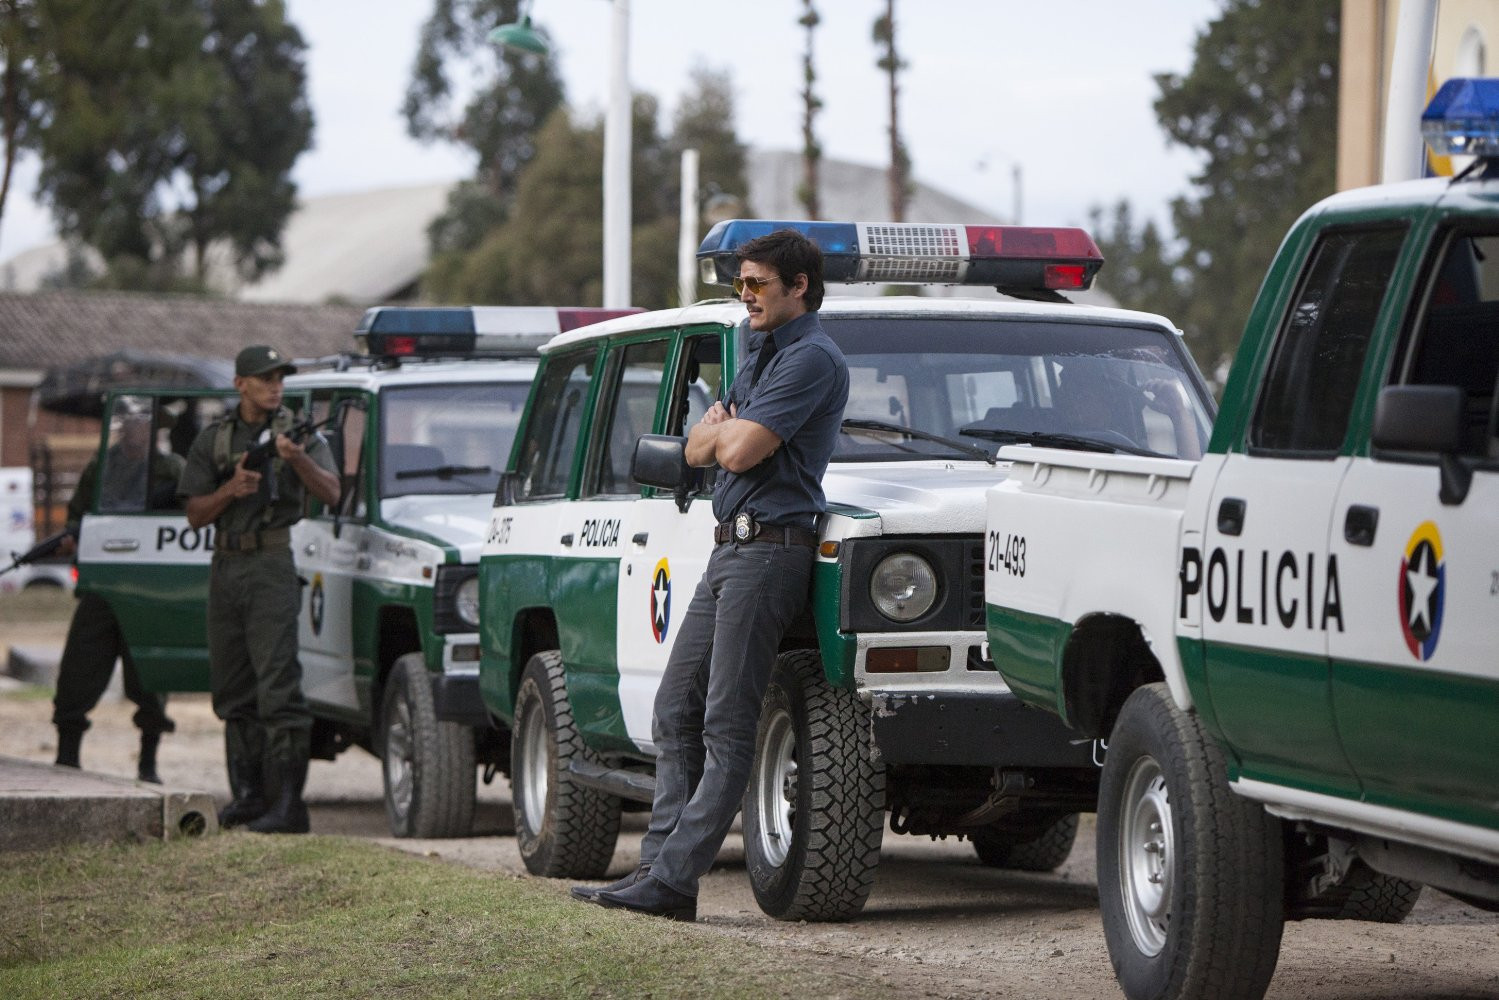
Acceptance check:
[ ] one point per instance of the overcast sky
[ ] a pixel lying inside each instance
(1064, 91)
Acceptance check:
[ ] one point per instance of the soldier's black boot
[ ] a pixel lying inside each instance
(288, 813)
(246, 776)
(68, 743)
(146, 769)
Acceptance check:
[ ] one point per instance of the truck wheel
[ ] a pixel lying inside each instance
(1374, 896)
(814, 809)
(1190, 877)
(564, 829)
(1027, 851)
(428, 765)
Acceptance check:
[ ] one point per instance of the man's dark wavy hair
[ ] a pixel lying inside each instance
(790, 253)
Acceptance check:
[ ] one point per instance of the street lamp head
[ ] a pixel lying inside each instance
(521, 37)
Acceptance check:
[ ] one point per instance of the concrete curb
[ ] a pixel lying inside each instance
(43, 806)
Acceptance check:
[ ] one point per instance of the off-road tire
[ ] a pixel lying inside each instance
(1190, 877)
(428, 765)
(1027, 851)
(1365, 894)
(563, 829)
(813, 813)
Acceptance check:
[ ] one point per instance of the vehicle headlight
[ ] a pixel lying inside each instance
(903, 586)
(466, 602)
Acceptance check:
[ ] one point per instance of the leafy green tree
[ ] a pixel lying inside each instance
(1139, 272)
(167, 125)
(18, 49)
(558, 207)
(1260, 103)
(500, 121)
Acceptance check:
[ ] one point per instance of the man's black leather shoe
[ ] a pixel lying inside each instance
(587, 892)
(651, 895)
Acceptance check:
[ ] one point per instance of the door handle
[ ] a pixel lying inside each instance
(121, 545)
(1360, 525)
(641, 538)
(567, 540)
(363, 562)
(1231, 516)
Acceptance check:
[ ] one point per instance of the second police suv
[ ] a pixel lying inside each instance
(883, 701)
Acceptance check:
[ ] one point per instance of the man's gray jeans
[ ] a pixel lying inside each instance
(708, 706)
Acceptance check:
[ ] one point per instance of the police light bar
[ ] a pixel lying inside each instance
(1463, 118)
(469, 331)
(1016, 259)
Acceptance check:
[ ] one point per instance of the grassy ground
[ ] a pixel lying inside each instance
(245, 916)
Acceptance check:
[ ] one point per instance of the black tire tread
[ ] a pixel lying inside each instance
(443, 792)
(1027, 852)
(1224, 941)
(584, 824)
(846, 822)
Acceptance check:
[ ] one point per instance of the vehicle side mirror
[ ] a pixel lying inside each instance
(1426, 419)
(661, 460)
(508, 488)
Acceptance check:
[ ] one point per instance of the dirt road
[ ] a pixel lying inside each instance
(937, 925)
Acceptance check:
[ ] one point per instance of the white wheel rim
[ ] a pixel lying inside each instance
(1147, 852)
(775, 789)
(535, 767)
(399, 768)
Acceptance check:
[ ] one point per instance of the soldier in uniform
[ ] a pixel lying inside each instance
(137, 477)
(253, 591)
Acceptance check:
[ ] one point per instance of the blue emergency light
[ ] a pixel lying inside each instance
(1463, 118)
(1021, 260)
(469, 331)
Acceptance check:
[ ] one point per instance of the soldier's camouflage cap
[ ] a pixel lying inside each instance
(262, 360)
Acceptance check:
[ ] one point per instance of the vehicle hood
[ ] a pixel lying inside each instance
(938, 497)
(459, 521)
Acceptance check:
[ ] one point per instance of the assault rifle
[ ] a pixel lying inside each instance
(41, 550)
(259, 456)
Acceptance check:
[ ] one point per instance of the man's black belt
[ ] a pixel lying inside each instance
(744, 529)
(251, 541)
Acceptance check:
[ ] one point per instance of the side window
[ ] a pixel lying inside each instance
(637, 373)
(699, 383)
(347, 445)
(546, 456)
(139, 471)
(1319, 356)
(1457, 340)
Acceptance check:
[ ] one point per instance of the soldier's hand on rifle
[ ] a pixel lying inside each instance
(288, 449)
(244, 482)
(67, 546)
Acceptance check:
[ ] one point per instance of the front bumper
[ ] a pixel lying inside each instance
(990, 729)
(455, 697)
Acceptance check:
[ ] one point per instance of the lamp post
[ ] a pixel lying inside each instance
(617, 142)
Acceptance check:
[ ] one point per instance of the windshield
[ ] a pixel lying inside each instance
(451, 438)
(958, 383)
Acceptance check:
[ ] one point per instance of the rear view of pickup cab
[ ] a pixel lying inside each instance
(1289, 645)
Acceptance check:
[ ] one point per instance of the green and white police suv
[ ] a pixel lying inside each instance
(882, 700)
(420, 425)
(1290, 645)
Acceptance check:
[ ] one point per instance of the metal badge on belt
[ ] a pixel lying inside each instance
(744, 527)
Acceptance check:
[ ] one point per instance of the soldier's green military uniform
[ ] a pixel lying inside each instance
(253, 600)
(94, 640)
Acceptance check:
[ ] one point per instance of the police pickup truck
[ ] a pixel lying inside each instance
(882, 700)
(1289, 645)
(420, 424)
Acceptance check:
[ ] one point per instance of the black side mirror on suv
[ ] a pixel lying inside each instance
(661, 460)
(1426, 419)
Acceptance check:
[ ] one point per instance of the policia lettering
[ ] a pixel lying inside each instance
(1294, 590)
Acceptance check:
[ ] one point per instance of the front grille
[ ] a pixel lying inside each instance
(975, 579)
